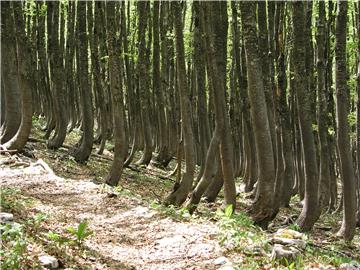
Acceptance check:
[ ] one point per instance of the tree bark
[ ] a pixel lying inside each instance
(262, 208)
(179, 196)
(23, 76)
(310, 211)
(348, 225)
(83, 152)
(114, 46)
(10, 82)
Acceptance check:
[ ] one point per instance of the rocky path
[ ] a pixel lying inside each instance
(128, 234)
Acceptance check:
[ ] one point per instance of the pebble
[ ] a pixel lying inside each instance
(49, 262)
(6, 217)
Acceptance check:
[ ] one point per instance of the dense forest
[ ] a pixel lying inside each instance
(264, 94)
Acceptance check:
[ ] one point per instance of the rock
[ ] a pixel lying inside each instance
(284, 253)
(350, 266)
(255, 249)
(221, 261)
(6, 217)
(49, 262)
(227, 266)
(298, 243)
(288, 233)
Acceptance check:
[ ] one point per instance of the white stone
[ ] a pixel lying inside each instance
(227, 266)
(299, 243)
(350, 266)
(279, 253)
(6, 217)
(288, 233)
(221, 261)
(49, 262)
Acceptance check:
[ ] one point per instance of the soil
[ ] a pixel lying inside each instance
(128, 234)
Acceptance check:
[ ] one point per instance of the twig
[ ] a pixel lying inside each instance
(8, 151)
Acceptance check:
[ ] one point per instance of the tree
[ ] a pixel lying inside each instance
(116, 96)
(262, 209)
(19, 140)
(348, 225)
(83, 151)
(56, 75)
(144, 82)
(10, 85)
(310, 211)
(178, 196)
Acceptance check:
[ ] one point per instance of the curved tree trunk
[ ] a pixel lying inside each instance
(347, 229)
(9, 76)
(115, 71)
(179, 196)
(83, 151)
(215, 24)
(143, 83)
(56, 73)
(324, 190)
(24, 65)
(310, 211)
(262, 209)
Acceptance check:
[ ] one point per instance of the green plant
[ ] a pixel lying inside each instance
(8, 198)
(13, 246)
(81, 232)
(294, 227)
(57, 238)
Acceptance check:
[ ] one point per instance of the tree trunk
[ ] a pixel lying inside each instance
(23, 76)
(56, 75)
(324, 191)
(10, 82)
(347, 229)
(83, 152)
(262, 208)
(215, 24)
(114, 46)
(143, 83)
(179, 196)
(310, 211)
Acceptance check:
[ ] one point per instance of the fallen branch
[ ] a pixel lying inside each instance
(8, 151)
(18, 164)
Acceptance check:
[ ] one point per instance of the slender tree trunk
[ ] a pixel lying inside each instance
(216, 17)
(83, 152)
(57, 71)
(262, 209)
(310, 211)
(9, 80)
(143, 83)
(115, 71)
(324, 191)
(23, 67)
(179, 196)
(347, 229)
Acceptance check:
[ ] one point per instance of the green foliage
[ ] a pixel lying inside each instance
(78, 235)
(237, 231)
(181, 214)
(10, 198)
(81, 232)
(14, 245)
(294, 227)
(57, 238)
(7, 198)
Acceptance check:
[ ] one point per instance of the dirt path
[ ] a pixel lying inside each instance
(128, 234)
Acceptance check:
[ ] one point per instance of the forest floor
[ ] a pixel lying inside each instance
(50, 194)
